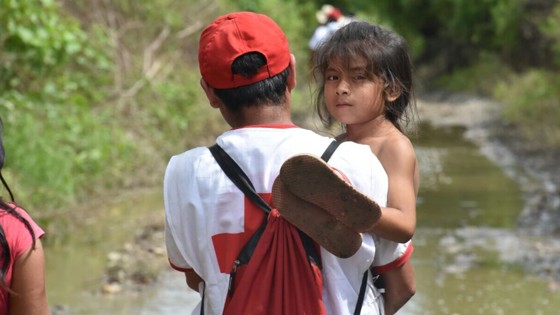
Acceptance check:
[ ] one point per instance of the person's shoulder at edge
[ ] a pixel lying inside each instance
(180, 162)
(189, 154)
(5, 217)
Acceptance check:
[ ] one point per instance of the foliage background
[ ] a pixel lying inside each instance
(97, 95)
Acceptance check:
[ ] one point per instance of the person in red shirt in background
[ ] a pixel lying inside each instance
(22, 262)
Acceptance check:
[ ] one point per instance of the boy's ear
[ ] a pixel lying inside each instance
(210, 92)
(392, 92)
(292, 75)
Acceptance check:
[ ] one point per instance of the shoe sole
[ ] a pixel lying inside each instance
(311, 179)
(318, 224)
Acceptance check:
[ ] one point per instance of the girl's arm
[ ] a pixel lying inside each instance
(398, 220)
(28, 283)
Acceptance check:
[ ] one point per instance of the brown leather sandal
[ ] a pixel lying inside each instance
(318, 224)
(311, 179)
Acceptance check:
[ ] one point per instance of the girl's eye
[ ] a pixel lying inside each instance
(332, 77)
(359, 75)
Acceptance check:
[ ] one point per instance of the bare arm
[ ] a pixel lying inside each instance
(193, 279)
(400, 286)
(28, 283)
(398, 220)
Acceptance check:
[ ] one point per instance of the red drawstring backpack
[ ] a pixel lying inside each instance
(280, 278)
(278, 272)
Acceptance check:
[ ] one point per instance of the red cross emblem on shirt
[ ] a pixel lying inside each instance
(228, 245)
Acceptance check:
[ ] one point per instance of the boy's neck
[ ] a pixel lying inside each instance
(263, 115)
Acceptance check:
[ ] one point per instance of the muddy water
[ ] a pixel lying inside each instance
(466, 248)
(75, 267)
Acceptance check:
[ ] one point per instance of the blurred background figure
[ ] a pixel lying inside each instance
(329, 18)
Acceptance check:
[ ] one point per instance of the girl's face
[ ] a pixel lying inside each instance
(351, 94)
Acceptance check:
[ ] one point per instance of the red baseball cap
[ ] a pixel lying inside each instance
(233, 35)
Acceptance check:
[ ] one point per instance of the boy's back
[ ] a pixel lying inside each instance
(208, 220)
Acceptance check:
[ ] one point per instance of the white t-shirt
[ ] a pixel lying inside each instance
(208, 219)
(322, 33)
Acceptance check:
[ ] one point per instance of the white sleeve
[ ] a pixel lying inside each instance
(320, 34)
(174, 255)
(390, 255)
(179, 192)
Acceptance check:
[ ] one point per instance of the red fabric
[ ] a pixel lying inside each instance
(278, 280)
(229, 245)
(396, 263)
(19, 240)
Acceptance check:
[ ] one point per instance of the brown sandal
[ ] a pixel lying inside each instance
(318, 224)
(311, 179)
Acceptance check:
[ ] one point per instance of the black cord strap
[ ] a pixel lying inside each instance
(238, 177)
(362, 294)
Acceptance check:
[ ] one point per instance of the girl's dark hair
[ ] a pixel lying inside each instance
(268, 91)
(8, 209)
(386, 54)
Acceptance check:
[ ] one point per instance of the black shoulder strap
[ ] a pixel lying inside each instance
(330, 150)
(238, 177)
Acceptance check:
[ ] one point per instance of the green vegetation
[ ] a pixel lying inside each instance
(97, 95)
(533, 105)
(51, 80)
(91, 109)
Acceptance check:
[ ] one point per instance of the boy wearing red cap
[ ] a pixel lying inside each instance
(248, 74)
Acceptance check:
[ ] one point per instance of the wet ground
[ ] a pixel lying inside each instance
(537, 173)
